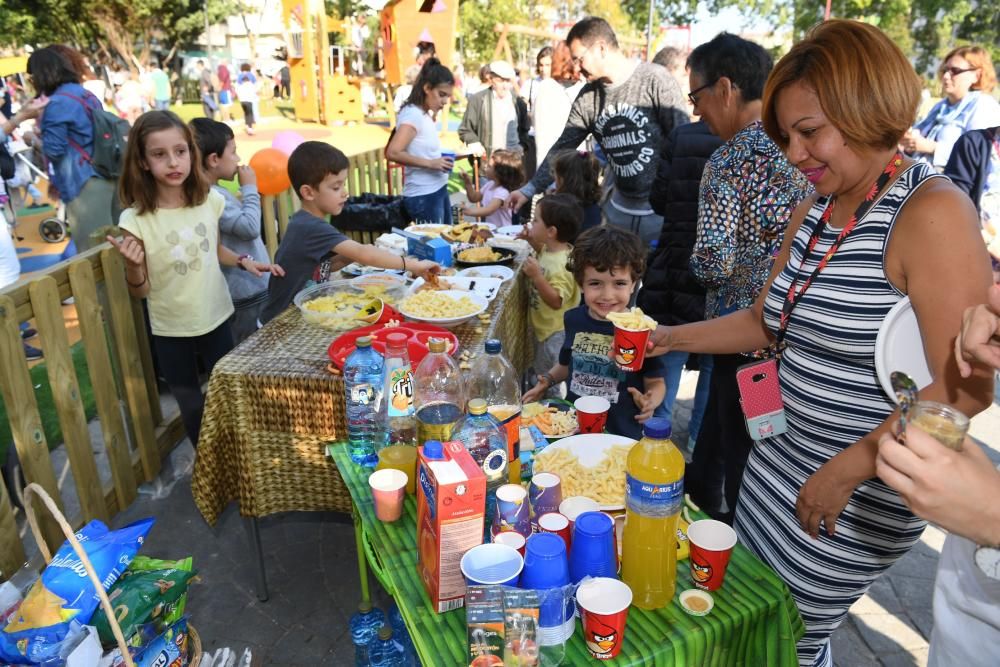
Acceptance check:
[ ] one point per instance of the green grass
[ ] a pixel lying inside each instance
(46, 406)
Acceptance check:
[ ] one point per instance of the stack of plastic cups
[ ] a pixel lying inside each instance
(546, 570)
(594, 552)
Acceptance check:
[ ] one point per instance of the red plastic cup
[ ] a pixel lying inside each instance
(512, 540)
(711, 543)
(554, 522)
(604, 604)
(592, 413)
(388, 488)
(630, 348)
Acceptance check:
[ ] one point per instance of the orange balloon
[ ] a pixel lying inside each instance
(271, 167)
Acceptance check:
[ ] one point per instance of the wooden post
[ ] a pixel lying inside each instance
(270, 230)
(146, 354)
(130, 362)
(11, 550)
(283, 214)
(22, 413)
(95, 344)
(66, 396)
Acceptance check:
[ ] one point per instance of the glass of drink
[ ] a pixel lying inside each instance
(946, 424)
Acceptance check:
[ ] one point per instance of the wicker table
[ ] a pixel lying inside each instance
(272, 406)
(754, 622)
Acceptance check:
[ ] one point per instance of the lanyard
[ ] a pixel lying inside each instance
(793, 296)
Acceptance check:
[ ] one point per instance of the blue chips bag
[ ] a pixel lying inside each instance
(64, 592)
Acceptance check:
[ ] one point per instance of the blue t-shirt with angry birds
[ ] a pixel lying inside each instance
(593, 373)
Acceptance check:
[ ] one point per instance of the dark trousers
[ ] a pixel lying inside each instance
(716, 469)
(179, 358)
(248, 113)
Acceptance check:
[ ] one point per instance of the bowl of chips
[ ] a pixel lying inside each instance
(445, 308)
(482, 255)
(469, 232)
(337, 306)
(589, 464)
(554, 417)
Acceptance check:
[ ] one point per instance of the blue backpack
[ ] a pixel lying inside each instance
(110, 135)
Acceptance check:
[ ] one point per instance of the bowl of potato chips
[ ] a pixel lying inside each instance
(589, 464)
(445, 308)
(484, 254)
(337, 306)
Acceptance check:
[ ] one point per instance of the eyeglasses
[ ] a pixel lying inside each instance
(691, 95)
(955, 71)
(576, 60)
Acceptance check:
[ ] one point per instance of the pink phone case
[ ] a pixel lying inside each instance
(760, 390)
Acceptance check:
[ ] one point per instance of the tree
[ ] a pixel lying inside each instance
(477, 19)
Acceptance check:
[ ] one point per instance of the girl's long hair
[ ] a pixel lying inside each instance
(578, 173)
(137, 187)
(432, 74)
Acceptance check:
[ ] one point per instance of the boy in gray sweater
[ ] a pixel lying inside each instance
(240, 222)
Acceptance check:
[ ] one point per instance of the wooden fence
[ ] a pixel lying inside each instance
(135, 431)
(366, 172)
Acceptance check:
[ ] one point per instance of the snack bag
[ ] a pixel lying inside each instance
(145, 563)
(139, 597)
(169, 649)
(64, 592)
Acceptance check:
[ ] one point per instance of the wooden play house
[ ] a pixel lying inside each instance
(405, 23)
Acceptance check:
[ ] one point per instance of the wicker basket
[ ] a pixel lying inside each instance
(194, 641)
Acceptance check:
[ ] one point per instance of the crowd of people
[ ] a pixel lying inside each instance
(779, 230)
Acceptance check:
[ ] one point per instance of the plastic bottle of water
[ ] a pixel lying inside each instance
(402, 635)
(385, 651)
(485, 439)
(364, 627)
(494, 380)
(363, 392)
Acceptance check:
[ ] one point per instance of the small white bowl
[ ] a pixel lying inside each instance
(700, 595)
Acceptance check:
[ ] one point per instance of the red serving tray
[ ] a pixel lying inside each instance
(418, 332)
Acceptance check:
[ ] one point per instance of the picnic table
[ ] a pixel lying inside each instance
(754, 621)
(273, 405)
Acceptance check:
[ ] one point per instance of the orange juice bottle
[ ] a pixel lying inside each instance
(400, 457)
(654, 495)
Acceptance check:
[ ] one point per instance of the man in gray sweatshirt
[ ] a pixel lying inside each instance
(630, 109)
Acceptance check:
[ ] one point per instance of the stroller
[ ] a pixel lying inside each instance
(52, 229)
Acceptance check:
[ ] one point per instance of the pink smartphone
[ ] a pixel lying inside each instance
(760, 399)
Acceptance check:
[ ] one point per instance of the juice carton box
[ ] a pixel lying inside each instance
(451, 507)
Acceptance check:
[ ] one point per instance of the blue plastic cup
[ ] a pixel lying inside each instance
(449, 154)
(593, 552)
(545, 568)
(491, 563)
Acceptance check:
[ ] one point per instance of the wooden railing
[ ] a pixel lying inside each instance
(366, 172)
(136, 433)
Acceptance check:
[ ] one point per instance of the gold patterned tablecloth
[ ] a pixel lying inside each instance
(272, 406)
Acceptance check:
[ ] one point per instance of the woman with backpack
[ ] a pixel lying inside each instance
(66, 129)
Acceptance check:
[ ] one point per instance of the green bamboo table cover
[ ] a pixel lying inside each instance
(754, 621)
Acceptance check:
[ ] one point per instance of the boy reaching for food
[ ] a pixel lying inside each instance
(606, 263)
(312, 248)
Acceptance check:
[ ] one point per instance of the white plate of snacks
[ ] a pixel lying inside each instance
(589, 464)
(488, 288)
(446, 308)
(504, 273)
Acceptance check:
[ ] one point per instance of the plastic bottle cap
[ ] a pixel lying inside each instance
(658, 428)
(397, 339)
(385, 633)
(493, 346)
(433, 449)
(436, 344)
(477, 406)
(365, 607)
(363, 341)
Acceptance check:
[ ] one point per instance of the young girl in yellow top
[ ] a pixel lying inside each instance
(172, 255)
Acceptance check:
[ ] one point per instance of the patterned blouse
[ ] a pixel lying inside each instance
(748, 192)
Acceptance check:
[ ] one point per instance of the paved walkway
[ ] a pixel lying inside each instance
(314, 586)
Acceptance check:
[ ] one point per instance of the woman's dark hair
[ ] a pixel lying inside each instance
(49, 69)
(562, 211)
(741, 61)
(508, 166)
(432, 74)
(578, 173)
(544, 52)
(607, 248)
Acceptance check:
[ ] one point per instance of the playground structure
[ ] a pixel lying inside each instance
(405, 23)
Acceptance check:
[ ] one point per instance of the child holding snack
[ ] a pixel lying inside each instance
(240, 221)
(553, 289)
(577, 173)
(606, 263)
(312, 247)
(503, 173)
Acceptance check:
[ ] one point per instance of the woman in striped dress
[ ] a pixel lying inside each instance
(881, 228)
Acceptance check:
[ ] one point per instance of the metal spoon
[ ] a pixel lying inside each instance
(906, 395)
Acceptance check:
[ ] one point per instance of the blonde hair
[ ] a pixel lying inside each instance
(979, 58)
(865, 85)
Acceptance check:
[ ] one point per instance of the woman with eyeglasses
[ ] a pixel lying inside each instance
(967, 81)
